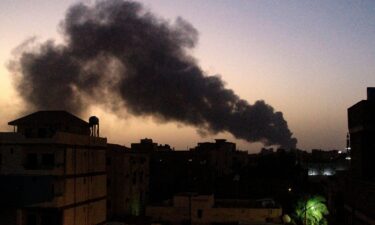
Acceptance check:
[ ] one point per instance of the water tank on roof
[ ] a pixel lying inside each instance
(94, 126)
(93, 120)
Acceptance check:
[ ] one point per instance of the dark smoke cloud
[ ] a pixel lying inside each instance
(119, 55)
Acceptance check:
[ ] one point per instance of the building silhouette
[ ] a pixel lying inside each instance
(56, 169)
(359, 199)
(190, 208)
(52, 171)
(127, 182)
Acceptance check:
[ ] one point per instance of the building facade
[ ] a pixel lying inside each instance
(189, 208)
(127, 182)
(52, 171)
(360, 188)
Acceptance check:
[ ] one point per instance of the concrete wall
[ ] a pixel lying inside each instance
(228, 215)
(212, 215)
(88, 214)
(59, 138)
(84, 160)
(14, 159)
(68, 161)
(81, 189)
(202, 210)
(168, 214)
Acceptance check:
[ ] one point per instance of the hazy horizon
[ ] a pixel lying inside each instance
(309, 60)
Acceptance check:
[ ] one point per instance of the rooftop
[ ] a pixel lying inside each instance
(40, 117)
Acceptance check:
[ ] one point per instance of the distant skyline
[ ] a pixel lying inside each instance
(309, 60)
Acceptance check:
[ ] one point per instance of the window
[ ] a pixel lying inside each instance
(58, 187)
(49, 218)
(28, 132)
(31, 161)
(134, 178)
(199, 213)
(141, 177)
(48, 160)
(45, 161)
(109, 204)
(42, 132)
(31, 219)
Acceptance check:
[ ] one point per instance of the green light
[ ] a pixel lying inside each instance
(135, 206)
(312, 211)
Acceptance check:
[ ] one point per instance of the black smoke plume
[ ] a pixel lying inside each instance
(120, 55)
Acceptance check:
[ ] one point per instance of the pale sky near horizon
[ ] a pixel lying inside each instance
(309, 59)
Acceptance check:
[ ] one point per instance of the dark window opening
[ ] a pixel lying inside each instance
(134, 179)
(141, 177)
(31, 219)
(31, 161)
(58, 187)
(11, 150)
(49, 218)
(28, 132)
(48, 160)
(108, 161)
(199, 213)
(42, 132)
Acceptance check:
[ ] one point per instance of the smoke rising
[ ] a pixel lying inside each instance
(122, 56)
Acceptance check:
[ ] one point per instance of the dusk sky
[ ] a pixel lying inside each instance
(310, 60)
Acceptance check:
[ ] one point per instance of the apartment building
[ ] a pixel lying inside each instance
(127, 182)
(360, 189)
(53, 171)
